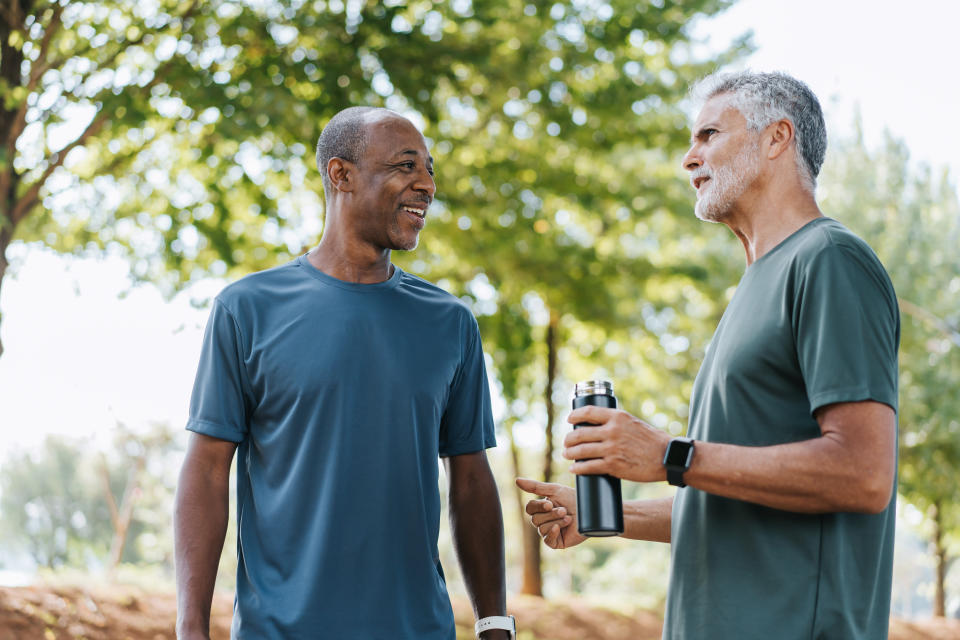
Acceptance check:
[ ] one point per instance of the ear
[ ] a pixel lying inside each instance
(779, 136)
(341, 174)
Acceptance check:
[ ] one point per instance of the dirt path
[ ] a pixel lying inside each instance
(129, 613)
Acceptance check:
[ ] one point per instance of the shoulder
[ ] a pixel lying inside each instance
(431, 293)
(832, 250)
(257, 286)
(826, 242)
(436, 301)
(826, 235)
(831, 233)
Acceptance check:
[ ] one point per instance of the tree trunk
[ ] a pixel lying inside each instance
(532, 581)
(532, 567)
(940, 551)
(532, 576)
(6, 235)
(11, 59)
(548, 394)
(121, 517)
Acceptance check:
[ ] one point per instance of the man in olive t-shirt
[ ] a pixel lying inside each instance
(784, 521)
(813, 323)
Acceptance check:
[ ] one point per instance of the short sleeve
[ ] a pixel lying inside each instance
(467, 422)
(218, 405)
(847, 328)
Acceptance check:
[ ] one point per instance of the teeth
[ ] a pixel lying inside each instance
(416, 212)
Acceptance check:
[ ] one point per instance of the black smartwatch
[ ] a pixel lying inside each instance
(677, 460)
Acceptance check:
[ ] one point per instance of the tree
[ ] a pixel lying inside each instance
(912, 219)
(180, 135)
(555, 130)
(74, 77)
(59, 503)
(140, 473)
(51, 507)
(545, 226)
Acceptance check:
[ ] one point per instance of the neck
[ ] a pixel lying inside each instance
(349, 260)
(762, 221)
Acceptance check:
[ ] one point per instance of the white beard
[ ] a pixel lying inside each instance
(726, 184)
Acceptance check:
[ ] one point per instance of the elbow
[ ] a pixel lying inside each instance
(874, 494)
(881, 501)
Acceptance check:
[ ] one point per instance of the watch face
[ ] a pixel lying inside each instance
(678, 453)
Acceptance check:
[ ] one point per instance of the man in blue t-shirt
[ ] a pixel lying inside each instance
(337, 380)
(783, 523)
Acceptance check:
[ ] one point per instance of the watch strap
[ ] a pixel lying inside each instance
(675, 477)
(507, 623)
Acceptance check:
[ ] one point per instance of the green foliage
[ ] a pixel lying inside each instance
(51, 508)
(205, 115)
(555, 180)
(555, 130)
(54, 505)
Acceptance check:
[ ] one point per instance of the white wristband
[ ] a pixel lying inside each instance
(507, 623)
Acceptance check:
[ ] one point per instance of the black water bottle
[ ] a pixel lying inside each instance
(599, 502)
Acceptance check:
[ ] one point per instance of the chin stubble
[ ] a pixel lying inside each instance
(727, 183)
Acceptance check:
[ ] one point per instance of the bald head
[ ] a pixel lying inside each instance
(346, 137)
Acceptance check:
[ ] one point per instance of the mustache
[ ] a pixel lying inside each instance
(699, 172)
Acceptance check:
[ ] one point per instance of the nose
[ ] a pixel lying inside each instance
(425, 183)
(691, 160)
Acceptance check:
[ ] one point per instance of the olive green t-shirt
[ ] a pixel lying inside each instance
(813, 322)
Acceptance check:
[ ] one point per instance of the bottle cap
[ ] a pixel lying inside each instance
(593, 388)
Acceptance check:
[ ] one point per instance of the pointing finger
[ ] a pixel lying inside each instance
(535, 487)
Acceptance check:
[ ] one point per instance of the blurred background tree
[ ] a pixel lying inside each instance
(553, 202)
(74, 503)
(80, 88)
(181, 137)
(52, 506)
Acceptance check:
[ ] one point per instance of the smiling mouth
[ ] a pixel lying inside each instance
(699, 181)
(420, 213)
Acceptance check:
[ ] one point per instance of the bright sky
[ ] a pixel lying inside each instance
(893, 59)
(79, 359)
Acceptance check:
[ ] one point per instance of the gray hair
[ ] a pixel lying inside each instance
(764, 98)
(345, 136)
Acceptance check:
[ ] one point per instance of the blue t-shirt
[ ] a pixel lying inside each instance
(341, 397)
(813, 322)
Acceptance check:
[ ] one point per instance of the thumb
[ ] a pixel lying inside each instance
(535, 487)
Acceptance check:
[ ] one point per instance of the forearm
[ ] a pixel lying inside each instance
(648, 519)
(477, 531)
(850, 467)
(476, 524)
(812, 476)
(201, 512)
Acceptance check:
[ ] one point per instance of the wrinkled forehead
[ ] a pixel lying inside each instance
(717, 108)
